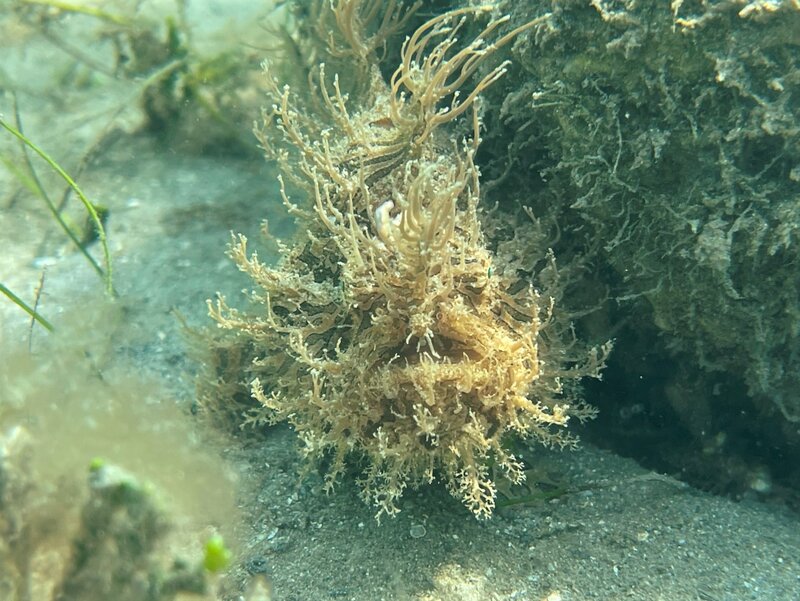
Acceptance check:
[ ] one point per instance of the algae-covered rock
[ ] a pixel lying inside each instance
(663, 140)
(113, 554)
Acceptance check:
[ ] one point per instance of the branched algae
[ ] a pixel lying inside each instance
(388, 332)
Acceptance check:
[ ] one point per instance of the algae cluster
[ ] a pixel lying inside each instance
(388, 334)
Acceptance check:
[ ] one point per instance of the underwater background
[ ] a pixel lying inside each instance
(654, 148)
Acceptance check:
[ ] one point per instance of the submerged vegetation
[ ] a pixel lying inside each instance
(408, 333)
(35, 185)
(388, 333)
(30, 179)
(145, 54)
